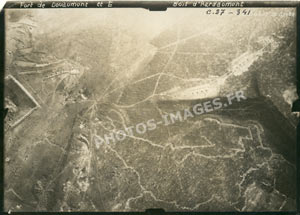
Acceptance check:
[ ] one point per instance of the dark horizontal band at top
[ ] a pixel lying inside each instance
(151, 5)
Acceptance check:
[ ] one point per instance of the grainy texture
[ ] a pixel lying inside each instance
(73, 75)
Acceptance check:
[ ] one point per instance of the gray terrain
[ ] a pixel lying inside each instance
(74, 75)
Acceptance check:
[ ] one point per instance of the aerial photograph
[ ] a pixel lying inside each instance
(125, 109)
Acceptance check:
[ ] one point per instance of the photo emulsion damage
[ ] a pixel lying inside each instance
(127, 109)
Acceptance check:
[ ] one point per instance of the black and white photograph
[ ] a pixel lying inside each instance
(126, 109)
